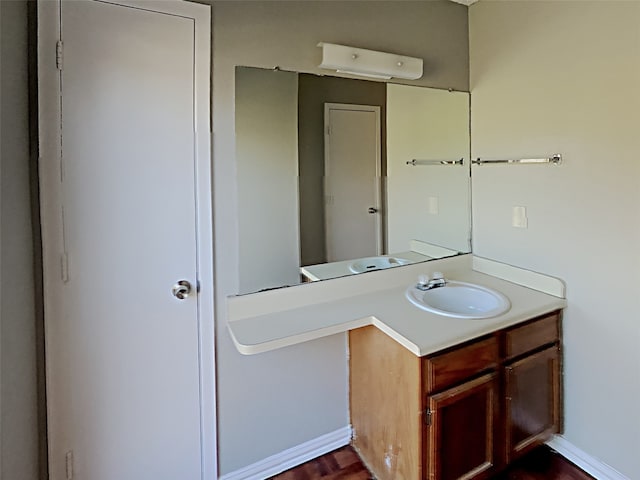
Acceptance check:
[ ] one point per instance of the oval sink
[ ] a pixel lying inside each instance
(460, 300)
(376, 263)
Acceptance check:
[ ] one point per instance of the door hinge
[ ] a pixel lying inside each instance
(64, 267)
(68, 457)
(59, 54)
(427, 416)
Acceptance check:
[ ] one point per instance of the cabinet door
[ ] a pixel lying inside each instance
(533, 401)
(460, 441)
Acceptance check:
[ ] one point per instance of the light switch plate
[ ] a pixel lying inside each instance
(519, 217)
(432, 205)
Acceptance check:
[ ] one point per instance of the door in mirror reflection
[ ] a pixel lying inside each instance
(352, 181)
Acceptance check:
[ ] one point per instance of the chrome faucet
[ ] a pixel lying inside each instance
(425, 284)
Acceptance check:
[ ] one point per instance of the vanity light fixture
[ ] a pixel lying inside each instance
(369, 63)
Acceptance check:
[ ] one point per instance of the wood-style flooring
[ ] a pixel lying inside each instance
(341, 464)
(544, 464)
(344, 464)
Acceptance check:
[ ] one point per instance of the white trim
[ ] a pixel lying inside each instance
(201, 15)
(292, 457)
(50, 211)
(526, 278)
(589, 464)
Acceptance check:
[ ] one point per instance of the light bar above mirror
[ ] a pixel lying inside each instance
(369, 63)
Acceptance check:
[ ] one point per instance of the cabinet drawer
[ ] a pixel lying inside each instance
(520, 340)
(447, 369)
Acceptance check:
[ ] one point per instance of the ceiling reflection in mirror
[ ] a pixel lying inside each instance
(339, 176)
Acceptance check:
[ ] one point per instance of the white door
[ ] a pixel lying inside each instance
(124, 360)
(353, 226)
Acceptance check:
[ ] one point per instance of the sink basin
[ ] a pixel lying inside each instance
(460, 300)
(376, 263)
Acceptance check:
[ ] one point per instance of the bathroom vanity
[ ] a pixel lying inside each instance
(462, 412)
(431, 397)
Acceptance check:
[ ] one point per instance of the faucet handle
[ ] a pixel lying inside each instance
(438, 276)
(423, 280)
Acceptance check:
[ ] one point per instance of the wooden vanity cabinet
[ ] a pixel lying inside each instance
(461, 387)
(461, 430)
(532, 385)
(463, 413)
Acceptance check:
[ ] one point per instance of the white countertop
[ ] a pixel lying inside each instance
(387, 308)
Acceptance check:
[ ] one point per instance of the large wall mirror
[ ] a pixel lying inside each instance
(338, 176)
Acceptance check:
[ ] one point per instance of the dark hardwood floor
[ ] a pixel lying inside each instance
(344, 464)
(544, 464)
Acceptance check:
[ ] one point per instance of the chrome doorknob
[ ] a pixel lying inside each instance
(373, 210)
(181, 289)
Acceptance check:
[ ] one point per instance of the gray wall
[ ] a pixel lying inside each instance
(313, 92)
(273, 401)
(550, 77)
(18, 378)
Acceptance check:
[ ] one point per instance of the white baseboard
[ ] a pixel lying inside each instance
(292, 457)
(589, 464)
(304, 452)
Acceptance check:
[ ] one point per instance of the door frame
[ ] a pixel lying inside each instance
(328, 106)
(51, 210)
